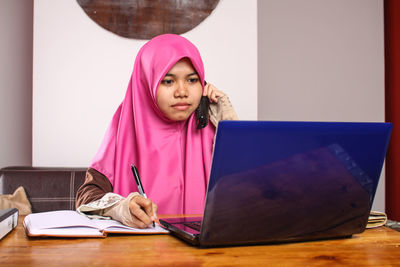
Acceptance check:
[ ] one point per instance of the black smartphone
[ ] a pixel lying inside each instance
(201, 112)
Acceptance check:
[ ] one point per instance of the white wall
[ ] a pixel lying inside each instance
(15, 82)
(317, 60)
(321, 60)
(81, 72)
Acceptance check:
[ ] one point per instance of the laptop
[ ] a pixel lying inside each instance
(274, 181)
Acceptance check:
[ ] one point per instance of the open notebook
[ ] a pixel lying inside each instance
(69, 223)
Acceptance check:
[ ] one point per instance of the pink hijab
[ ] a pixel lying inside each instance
(173, 158)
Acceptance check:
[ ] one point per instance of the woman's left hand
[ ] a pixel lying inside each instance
(212, 92)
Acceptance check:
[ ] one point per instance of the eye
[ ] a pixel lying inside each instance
(193, 80)
(167, 81)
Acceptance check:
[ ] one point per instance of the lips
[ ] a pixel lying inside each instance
(181, 106)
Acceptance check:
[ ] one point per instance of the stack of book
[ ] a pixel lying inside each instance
(8, 221)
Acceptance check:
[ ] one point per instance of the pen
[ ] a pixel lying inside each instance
(139, 183)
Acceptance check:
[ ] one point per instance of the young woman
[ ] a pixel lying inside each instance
(157, 129)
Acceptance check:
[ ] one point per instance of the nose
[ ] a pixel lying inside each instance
(181, 90)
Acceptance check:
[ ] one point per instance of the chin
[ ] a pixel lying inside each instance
(179, 118)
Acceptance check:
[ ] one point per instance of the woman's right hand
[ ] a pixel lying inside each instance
(212, 93)
(143, 211)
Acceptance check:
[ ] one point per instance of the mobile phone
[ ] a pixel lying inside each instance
(201, 112)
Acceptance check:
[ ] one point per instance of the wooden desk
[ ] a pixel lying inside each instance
(374, 247)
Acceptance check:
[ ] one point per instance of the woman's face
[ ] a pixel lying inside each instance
(179, 93)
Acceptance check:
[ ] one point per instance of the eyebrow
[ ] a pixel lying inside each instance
(193, 73)
(173, 75)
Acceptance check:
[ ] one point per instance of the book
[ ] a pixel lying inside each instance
(69, 223)
(376, 219)
(8, 221)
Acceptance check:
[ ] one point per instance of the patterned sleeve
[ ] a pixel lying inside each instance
(96, 200)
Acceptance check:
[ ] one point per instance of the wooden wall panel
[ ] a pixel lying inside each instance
(392, 106)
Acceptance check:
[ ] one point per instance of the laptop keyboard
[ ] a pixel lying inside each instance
(194, 225)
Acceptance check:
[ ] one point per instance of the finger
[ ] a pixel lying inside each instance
(216, 95)
(209, 92)
(212, 90)
(155, 209)
(205, 91)
(138, 206)
(140, 215)
(146, 204)
(149, 210)
(136, 223)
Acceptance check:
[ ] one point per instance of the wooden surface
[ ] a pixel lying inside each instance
(374, 247)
